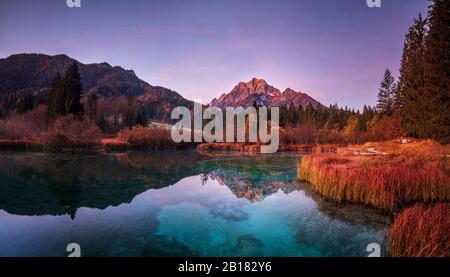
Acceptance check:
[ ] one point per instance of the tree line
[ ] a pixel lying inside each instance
(110, 115)
(420, 98)
(417, 105)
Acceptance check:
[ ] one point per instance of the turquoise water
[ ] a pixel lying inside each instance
(173, 204)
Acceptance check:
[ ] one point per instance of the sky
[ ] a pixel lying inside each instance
(334, 50)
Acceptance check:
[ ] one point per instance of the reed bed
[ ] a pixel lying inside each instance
(421, 231)
(407, 174)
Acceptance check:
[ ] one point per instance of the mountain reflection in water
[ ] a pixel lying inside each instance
(172, 204)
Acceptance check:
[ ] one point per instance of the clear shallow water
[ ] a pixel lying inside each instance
(172, 204)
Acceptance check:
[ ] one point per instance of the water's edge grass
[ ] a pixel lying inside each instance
(411, 182)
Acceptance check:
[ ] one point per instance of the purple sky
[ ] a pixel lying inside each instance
(334, 50)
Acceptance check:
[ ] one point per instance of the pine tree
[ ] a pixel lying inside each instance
(364, 118)
(131, 113)
(399, 99)
(65, 94)
(331, 120)
(72, 90)
(55, 106)
(385, 102)
(437, 72)
(291, 115)
(283, 112)
(411, 89)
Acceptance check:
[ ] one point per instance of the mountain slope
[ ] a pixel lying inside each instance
(257, 90)
(33, 73)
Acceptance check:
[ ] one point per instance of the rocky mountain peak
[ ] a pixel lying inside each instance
(257, 85)
(289, 91)
(259, 91)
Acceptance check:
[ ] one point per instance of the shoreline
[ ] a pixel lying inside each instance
(255, 148)
(410, 181)
(114, 145)
(392, 178)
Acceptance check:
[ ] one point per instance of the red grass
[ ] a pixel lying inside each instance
(421, 232)
(388, 182)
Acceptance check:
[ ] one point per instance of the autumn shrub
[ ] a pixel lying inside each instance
(70, 132)
(421, 231)
(330, 136)
(351, 131)
(147, 138)
(300, 135)
(27, 126)
(385, 128)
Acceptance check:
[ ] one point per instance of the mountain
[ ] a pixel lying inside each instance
(257, 90)
(250, 191)
(33, 73)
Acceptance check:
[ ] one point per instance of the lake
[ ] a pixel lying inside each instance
(173, 204)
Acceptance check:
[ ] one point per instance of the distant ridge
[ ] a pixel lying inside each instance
(33, 73)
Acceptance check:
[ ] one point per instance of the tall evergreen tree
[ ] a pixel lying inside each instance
(399, 99)
(65, 94)
(411, 89)
(331, 120)
(437, 72)
(385, 102)
(55, 101)
(365, 117)
(72, 90)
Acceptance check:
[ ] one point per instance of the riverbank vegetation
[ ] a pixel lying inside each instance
(390, 176)
(408, 178)
(153, 138)
(416, 105)
(421, 231)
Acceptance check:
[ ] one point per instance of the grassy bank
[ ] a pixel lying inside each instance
(390, 177)
(410, 180)
(421, 231)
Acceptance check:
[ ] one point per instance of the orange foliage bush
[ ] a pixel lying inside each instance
(421, 231)
(385, 128)
(28, 126)
(307, 135)
(147, 138)
(69, 132)
(330, 136)
(301, 135)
